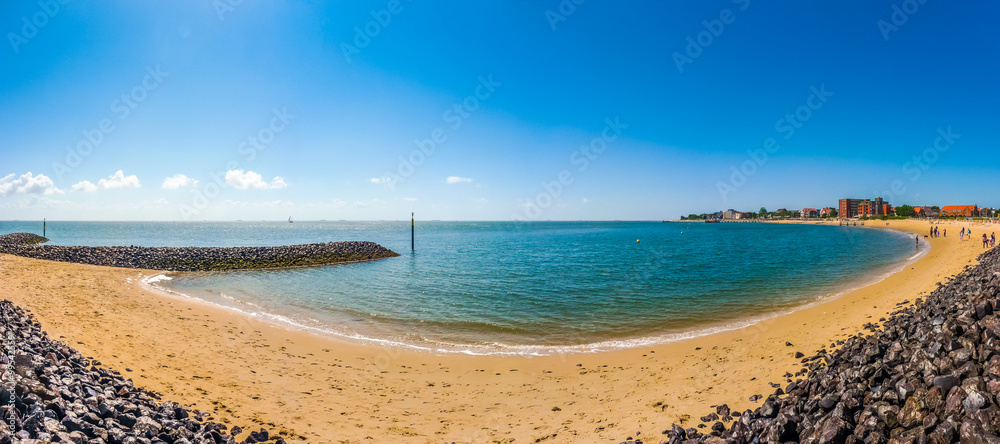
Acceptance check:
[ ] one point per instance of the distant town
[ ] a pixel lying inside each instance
(860, 209)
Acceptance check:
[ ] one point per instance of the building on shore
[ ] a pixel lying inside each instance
(960, 211)
(810, 212)
(732, 214)
(852, 208)
(848, 208)
(927, 211)
(826, 211)
(874, 208)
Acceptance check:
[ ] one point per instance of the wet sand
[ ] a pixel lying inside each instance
(321, 389)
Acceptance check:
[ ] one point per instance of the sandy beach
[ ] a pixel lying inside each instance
(313, 388)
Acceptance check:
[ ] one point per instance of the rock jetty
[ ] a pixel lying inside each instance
(16, 239)
(50, 393)
(928, 374)
(196, 258)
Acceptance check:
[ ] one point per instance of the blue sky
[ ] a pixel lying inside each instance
(542, 110)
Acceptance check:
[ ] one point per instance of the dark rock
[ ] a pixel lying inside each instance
(946, 382)
(829, 402)
(722, 410)
(834, 431)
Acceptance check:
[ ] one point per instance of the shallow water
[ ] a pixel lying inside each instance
(524, 287)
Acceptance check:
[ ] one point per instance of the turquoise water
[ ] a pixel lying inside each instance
(528, 287)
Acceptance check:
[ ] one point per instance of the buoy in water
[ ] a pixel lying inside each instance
(637, 241)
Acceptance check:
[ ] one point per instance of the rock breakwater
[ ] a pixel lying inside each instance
(18, 239)
(196, 258)
(930, 373)
(50, 393)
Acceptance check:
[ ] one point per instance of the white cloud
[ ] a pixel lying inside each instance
(457, 179)
(585, 200)
(28, 184)
(85, 186)
(410, 199)
(119, 180)
(251, 180)
(481, 200)
(383, 179)
(178, 181)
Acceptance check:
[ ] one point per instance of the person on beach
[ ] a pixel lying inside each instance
(993, 240)
(945, 231)
(917, 238)
(986, 241)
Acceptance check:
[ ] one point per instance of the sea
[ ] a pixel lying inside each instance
(522, 288)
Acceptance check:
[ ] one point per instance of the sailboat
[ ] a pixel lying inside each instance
(289, 219)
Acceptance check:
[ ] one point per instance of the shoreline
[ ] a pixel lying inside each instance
(602, 346)
(246, 370)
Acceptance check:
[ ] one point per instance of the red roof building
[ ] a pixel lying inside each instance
(960, 211)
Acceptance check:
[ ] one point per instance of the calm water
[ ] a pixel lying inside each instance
(523, 287)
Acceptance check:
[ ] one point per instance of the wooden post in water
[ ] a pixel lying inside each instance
(43, 227)
(412, 246)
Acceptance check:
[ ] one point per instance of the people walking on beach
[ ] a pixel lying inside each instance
(986, 241)
(945, 232)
